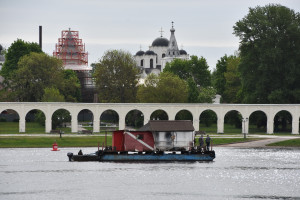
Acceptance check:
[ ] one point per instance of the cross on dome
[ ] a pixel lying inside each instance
(161, 32)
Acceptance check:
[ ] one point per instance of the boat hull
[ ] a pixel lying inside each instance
(135, 157)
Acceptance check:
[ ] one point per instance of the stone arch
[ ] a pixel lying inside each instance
(233, 122)
(35, 120)
(134, 119)
(258, 122)
(109, 120)
(85, 120)
(184, 115)
(159, 115)
(61, 119)
(9, 121)
(208, 121)
(283, 122)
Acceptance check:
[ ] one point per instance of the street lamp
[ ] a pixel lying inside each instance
(244, 127)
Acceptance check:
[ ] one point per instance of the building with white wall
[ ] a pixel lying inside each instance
(159, 54)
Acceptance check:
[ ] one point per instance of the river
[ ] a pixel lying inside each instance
(39, 173)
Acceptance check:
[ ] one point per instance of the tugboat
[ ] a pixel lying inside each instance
(157, 141)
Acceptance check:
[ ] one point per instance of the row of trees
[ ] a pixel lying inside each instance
(264, 70)
(31, 75)
(182, 81)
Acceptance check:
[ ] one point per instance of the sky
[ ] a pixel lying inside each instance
(203, 27)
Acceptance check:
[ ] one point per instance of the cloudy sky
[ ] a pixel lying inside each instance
(203, 27)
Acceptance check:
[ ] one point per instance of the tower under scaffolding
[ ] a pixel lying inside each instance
(71, 51)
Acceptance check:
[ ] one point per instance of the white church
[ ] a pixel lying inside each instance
(159, 54)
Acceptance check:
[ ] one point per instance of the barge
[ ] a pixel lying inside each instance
(157, 141)
(175, 156)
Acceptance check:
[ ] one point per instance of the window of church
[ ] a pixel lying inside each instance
(142, 63)
(151, 63)
(163, 55)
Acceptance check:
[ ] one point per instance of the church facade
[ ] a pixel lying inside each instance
(161, 52)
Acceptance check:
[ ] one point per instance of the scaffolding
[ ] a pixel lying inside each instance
(71, 50)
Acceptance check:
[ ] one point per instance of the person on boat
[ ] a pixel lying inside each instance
(80, 152)
(201, 142)
(207, 140)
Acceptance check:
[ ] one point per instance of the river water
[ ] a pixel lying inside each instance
(234, 174)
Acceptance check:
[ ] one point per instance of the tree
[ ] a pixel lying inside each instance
(34, 73)
(270, 55)
(71, 86)
(195, 68)
(17, 49)
(232, 93)
(206, 95)
(193, 91)
(165, 88)
(52, 95)
(116, 77)
(219, 80)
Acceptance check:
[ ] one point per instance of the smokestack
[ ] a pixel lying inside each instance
(40, 38)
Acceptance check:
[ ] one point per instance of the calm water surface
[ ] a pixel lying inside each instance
(234, 174)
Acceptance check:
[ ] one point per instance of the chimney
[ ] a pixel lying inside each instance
(40, 38)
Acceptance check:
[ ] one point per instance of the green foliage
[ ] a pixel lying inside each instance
(165, 88)
(184, 115)
(71, 86)
(159, 115)
(232, 81)
(59, 117)
(52, 95)
(134, 119)
(193, 91)
(116, 77)
(206, 95)
(195, 68)
(36, 72)
(208, 117)
(218, 77)
(270, 55)
(234, 118)
(17, 49)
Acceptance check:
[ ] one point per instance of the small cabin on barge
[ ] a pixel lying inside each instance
(161, 135)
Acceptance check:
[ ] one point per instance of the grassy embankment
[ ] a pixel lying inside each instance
(30, 142)
(287, 143)
(87, 141)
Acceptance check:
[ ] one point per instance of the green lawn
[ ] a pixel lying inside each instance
(30, 142)
(35, 128)
(287, 143)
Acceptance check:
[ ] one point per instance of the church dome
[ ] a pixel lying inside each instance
(140, 53)
(160, 42)
(149, 52)
(182, 52)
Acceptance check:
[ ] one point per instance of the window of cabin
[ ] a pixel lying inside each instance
(140, 137)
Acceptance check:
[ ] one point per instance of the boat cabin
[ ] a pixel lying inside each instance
(173, 134)
(162, 135)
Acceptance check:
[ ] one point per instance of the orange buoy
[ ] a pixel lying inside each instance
(55, 147)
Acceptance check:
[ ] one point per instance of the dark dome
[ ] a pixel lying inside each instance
(139, 53)
(149, 53)
(160, 42)
(182, 52)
